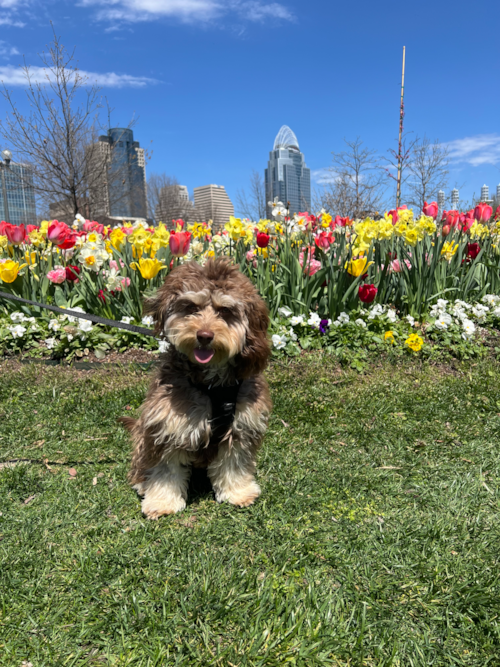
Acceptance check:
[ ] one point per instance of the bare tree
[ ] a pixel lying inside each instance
(357, 185)
(59, 137)
(253, 204)
(393, 162)
(167, 200)
(428, 172)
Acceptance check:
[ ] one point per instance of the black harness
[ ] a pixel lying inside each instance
(223, 400)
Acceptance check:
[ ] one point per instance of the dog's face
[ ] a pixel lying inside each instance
(213, 314)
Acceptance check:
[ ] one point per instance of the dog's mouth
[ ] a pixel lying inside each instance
(203, 354)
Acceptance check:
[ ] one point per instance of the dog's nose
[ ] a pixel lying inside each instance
(205, 337)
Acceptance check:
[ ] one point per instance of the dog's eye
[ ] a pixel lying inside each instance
(192, 308)
(225, 312)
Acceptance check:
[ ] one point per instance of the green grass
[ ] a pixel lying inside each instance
(376, 540)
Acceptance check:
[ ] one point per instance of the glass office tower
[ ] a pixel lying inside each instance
(287, 176)
(126, 175)
(17, 194)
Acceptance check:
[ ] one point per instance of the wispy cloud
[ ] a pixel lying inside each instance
(477, 150)
(6, 50)
(324, 176)
(7, 20)
(14, 76)
(187, 11)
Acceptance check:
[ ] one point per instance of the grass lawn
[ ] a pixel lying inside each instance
(376, 540)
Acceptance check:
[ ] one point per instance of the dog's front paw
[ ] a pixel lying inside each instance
(242, 496)
(153, 508)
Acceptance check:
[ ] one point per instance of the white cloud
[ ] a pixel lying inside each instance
(187, 11)
(9, 4)
(6, 51)
(477, 150)
(6, 20)
(324, 176)
(14, 76)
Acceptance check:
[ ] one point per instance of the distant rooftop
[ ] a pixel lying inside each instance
(286, 139)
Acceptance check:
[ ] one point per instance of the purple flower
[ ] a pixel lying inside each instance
(323, 326)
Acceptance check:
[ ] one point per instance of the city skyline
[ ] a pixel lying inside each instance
(226, 134)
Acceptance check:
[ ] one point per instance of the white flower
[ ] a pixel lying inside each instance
(114, 280)
(17, 316)
(77, 309)
(18, 331)
(469, 329)
(78, 221)
(391, 315)
(491, 299)
(343, 318)
(127, 320)
(148, 321)
(443, 321)
(163, 346)
(375, 311)
(314, 320)
(360, 323)
(480, 311)
(442, 303)
(85, 325)
(50, 343)
(286, 312)
(70, 337)
(496, 311)
(279, 342)
(292, 334)
(297, 319)
(54, 325)
(410, 320)
(93, 255)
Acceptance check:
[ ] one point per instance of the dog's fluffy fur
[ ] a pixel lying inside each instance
(174, 429)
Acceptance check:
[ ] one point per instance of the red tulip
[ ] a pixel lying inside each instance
(446, 230)
(31, 228)
(497, 213)
(15, 233)
(2, 227)
(324, 240)
(431, 209)
(72, 273)
(473, 250)
(68, 242)
(178, 223)
(179, 243)
(92, 226)
(58, 232)
(262, 240)
(367, 293)
(342, 222)
(483, 212)
(467, 220)
(452, 218)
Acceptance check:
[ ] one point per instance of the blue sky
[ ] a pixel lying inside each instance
(212, 81)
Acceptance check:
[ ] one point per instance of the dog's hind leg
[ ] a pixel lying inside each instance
(165, 486)
(232, 475)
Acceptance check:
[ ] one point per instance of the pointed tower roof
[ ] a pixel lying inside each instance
(286, 139)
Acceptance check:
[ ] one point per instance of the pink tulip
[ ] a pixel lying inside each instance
(58, 232)
(92, 226)
(431, 209)
(396, 265)
(15, 234)
(125, 282)
(57, 276)
(309, 264)
(467, 220)
(113, 264)
(452, 218)
(250, 255)
(179, 243)
(483, 212)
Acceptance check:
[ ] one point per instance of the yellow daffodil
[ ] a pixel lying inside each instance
(411, 236)
(449, 249)
(414, 342)
(117, 238)
(148, 268)
(37, 237)
(478, 231)
(356, 267)
(326, 220)
(263, 226)
(44, 227)
(4, 242)
(235, 228)
(9, 270)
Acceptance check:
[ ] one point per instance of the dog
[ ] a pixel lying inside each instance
(209, 403)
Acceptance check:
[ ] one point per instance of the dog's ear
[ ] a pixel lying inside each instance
(160, 305)
(254, 356)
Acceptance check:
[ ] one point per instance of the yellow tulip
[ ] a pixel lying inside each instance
(30, 257)
(9, 270)
(148, 268)
(356, 267)
(4, 242)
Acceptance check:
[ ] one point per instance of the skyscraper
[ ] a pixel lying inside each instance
(212, 203)
(123, 194)
(287, 177)
(17, 194)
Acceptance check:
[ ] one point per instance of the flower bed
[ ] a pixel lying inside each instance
(363, 284)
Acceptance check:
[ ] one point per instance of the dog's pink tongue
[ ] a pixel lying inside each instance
(203, 355)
